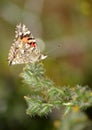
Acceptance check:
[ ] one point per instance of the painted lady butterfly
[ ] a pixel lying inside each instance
(24, 49)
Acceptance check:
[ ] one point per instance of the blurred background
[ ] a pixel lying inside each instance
(64, 32)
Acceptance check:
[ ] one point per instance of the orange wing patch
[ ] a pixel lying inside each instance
(24, 39)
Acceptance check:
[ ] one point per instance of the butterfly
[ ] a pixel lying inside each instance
(24, 48)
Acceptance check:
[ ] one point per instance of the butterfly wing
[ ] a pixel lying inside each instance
(24, 49)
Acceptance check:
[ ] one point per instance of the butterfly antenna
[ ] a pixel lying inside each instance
(55, 48)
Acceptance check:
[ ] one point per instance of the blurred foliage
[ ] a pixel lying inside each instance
(56, 22)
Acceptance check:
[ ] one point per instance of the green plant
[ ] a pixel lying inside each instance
(45, 96)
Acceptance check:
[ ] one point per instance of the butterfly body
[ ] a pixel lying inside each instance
(24, 48)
